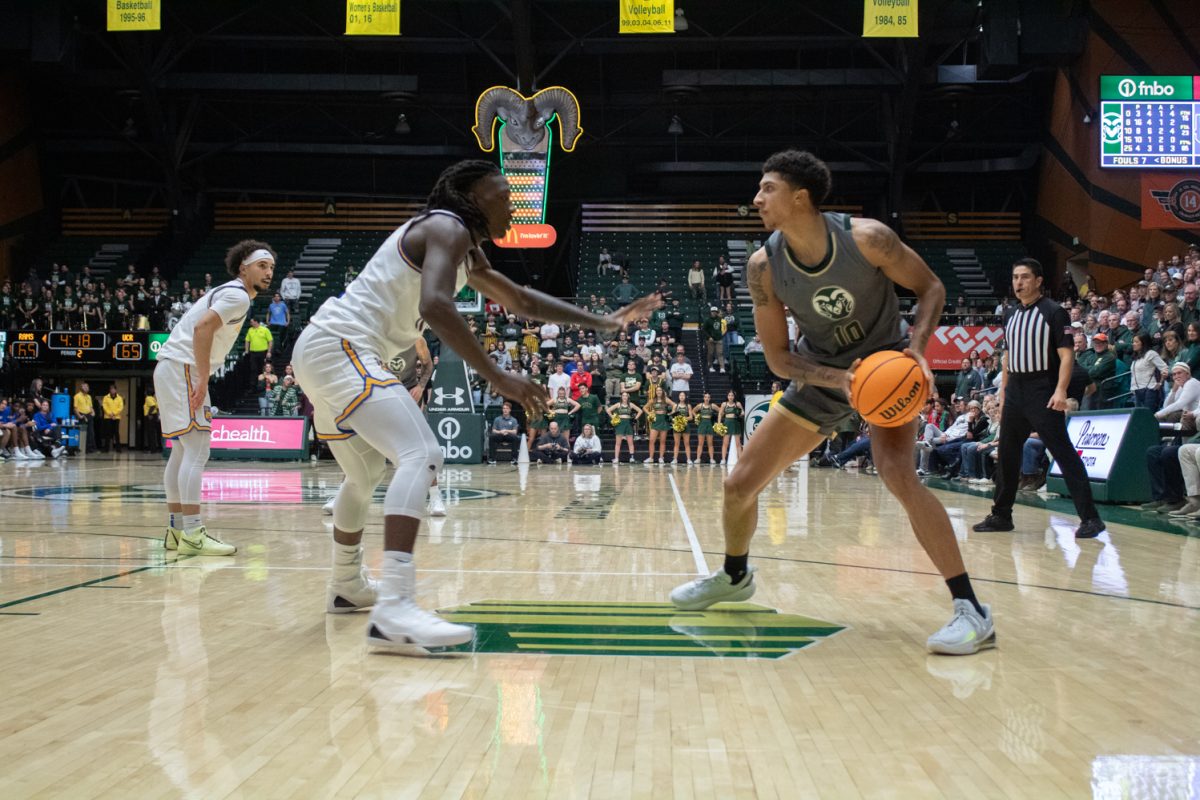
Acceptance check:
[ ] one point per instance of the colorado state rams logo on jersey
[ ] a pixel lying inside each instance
(397, 365)
(833, 302)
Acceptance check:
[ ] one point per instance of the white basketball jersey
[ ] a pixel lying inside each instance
(380, 310)
(232, 303)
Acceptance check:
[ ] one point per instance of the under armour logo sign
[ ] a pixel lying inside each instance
(440, 395)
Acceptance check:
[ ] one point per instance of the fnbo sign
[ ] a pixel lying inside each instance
(1136, 87)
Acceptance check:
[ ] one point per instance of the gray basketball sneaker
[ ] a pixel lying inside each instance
(967, 632)
(701, 593)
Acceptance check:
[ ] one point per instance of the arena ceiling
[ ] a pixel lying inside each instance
(269, 97)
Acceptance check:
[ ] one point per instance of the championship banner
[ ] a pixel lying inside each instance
(890, 19)
(134, 15)
(950, 344)
(372, 18)
(647, 16)
(1170, 201)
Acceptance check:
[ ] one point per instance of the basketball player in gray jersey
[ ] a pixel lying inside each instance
(837, 276)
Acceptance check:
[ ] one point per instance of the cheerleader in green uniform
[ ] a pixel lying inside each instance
(626, 414)
(564, 409)
(731, 414)
(660, 405)
(705, 414)
(681, 411)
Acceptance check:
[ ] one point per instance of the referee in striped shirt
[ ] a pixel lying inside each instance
(1033, 396)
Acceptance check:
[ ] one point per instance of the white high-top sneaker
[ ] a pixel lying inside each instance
(397, 623)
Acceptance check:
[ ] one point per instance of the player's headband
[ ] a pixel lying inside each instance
(258, 255)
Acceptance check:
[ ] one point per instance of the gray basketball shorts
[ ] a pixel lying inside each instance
(823, 409)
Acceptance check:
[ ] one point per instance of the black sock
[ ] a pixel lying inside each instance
(960, 589)
(735, 567)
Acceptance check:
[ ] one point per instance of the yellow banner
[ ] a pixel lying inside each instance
(134, 15)
(647, 16)
(890, 18)
(372, 17)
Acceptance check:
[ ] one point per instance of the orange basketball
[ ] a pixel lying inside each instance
(888, 389)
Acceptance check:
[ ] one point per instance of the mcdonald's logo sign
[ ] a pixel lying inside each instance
(529, 236)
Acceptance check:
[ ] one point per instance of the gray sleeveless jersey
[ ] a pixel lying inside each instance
(845, 306)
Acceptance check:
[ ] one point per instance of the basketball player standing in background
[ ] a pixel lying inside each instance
(362, 410)
(197, 345)
(837, 275)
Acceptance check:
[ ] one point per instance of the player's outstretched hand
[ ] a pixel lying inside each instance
(512, 386)
(638, 309)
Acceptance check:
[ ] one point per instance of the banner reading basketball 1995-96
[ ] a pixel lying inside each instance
(890, 18)
(647, 16)
(134, 15)
(372, 17)
(1171, 201)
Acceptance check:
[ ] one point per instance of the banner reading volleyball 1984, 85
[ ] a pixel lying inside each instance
(372, 17)
(134, 15)
(890, 18)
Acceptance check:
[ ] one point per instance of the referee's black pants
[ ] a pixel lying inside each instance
(1025, 411)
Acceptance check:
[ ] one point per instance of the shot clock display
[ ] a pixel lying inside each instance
(1149, 122)
(136, 348)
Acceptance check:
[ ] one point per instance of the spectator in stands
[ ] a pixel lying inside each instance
(558, 380)
(591, 347)
(279, 318)
(285, 398)
(113, 408)
(625, 292)
(723, 274)
(589, 406)
(695, 281)
(157, 306)
(643, 334)
(1189, 352)
(510, 334)
(1145, 371)
(587, 447)
(1167, 487)
(977, 455)
(9, 444)
(755, 345)
(712, 330)
(85, 415)
(91, 318)
(581, 378)
(259, 343)
(605, 263)
(552, 446)
(603, 307)
(968, 382)
(681, 374)
(1172, 348)
(1183, 396)
(8, 306)
(290, 290)
(505, 433)
(265, 383)
(549, 333)
(151, 423)
(1103, 370)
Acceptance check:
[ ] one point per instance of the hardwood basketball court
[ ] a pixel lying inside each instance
(131, 673)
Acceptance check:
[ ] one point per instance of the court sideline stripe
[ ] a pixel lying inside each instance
(75, 586)
(697, 553)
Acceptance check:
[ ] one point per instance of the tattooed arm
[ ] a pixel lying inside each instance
(903, 267)
(771, 322)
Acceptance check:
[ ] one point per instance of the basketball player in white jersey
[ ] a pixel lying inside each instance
(197, 345)
(414, 369)
(365, 414)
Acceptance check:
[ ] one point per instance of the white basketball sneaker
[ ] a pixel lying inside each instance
(199, 542)
(327, 509)
(399, 624)
(171, 538)
(701, 593)
(437, 506)
(967, 632)
(350, 591)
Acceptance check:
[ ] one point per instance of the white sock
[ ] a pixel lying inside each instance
(398, 582)
(191, 522)
(434, 493)
(347, 558)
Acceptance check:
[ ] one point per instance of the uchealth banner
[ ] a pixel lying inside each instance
(134, 15)
(647, 16)
(1170, 201)
(950, 344)
(257, 433)
(372, 17)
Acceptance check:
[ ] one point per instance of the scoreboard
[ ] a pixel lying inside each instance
(132, 348)
(1149, 122)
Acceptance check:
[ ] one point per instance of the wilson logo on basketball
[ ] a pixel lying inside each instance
(897, 408)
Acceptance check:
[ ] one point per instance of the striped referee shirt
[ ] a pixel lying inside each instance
(1033, 335)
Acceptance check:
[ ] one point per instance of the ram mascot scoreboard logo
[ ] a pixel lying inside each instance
(526, 137)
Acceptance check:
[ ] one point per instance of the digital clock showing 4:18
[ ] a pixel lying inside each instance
(79, 347)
